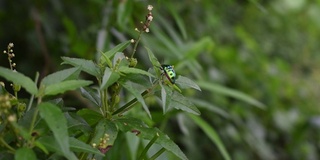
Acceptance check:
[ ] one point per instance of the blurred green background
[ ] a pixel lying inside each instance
(240, 52)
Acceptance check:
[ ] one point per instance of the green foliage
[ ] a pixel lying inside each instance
(255, 62)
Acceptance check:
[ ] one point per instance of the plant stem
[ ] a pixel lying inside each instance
(4, 143)
(145, 150)
(136, 44)
(156, 155)
(32, 96)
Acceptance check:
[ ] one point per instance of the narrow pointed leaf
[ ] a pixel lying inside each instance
(166, 94)
(185, 82)
(139, 128)
(19, 79)
(64, 86)
(57, 123)
(180, 102)
(119, 48)
(153, 60)
(87, 66)
(91, 94)
(109, 77)
(212, 134)
(128, 70)
(215, 88)
(66, 74)
(127, 85)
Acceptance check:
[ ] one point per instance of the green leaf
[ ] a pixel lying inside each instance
(104, 127)
(136, 126)
(127, 70)
(91, 94)
(79, 146)
(57, 123)
(119, 48)
(196, 48)
(66, 74)
(90, 116)
(212, 134)
(87, 66)
(64, 86)
(109, 77)
(154, 61)
(19, 79)
(166, 94)
(185, 82)
(127, 85)
(180, 102)
(25, 153)
(230, 92)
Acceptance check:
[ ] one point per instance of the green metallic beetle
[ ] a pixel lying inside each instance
(169, 72)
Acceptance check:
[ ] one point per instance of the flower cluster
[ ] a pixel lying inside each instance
(103, 144)
(10, 54)
(146, 24)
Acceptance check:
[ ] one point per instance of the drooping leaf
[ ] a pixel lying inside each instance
(91, 94)
(212, 134)
(64, 86)
(127, 70)
(25, 153)
(57, 123)
(178, 101)
(19, 79)
(127, 85)
(215, 88)
(79, 146)
(166, 94)
(66, 74)
(87, 66)
(109, 77)
(136, 126)
(185, 82)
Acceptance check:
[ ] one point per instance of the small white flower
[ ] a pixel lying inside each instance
(150, 7)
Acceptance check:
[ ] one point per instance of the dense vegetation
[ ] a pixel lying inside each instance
(256, 63)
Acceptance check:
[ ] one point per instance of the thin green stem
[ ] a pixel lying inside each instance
(145, 150)
(156, 155)
(32, 96)
(34, 118)
(136, 44)
(5, 144)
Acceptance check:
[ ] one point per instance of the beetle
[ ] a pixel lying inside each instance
(169, 72)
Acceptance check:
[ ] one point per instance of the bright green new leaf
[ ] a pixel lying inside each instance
(137, 126)
(19, 79)
(153, 60)
(119, 48)
(215, 88)
(180, 102)
(185, 82)
(66, 74)
(57, 123)
(127, 70)
(212, 134)
(109, 77)
(79, 146)
(127, 85)
(24, 154)
(64, 86)
(87, 66)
